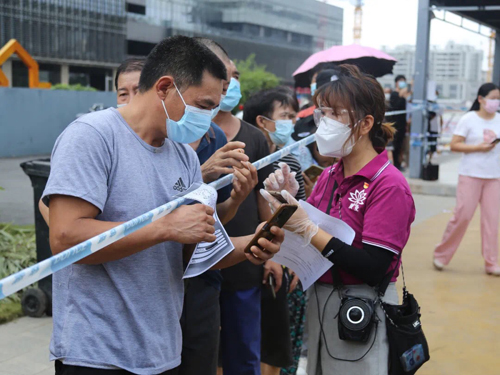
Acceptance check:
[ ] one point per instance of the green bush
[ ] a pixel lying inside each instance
(254, 77)
(17, 251)
(77, 87)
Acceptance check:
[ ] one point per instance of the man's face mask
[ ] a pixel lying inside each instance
(233, 96)
(192, 126)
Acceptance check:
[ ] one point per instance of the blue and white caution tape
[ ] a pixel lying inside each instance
(30, 275)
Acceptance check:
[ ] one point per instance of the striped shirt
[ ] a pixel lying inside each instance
(294, 165)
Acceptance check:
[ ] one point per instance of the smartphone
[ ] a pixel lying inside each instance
(271, 285)
(278, 196)
(313, 172)
(279, 219)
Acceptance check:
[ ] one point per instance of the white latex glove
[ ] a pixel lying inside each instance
(282, 179)
(299, 223)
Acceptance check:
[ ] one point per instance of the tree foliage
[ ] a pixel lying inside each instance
(254, 77)
(77, 87)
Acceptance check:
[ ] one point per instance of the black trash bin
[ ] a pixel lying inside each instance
(37, 301)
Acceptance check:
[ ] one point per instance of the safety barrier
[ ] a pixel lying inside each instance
(30, 275)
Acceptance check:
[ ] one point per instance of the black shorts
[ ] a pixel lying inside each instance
(62, 369)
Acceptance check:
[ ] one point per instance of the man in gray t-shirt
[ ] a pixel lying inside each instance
(119, 308)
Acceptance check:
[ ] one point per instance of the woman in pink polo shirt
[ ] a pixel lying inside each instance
(372, 196)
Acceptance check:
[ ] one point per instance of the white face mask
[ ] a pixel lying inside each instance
(331, 138)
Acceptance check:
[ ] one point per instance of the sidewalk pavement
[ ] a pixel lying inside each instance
(16, 201)
(459, 305)
(446, 185)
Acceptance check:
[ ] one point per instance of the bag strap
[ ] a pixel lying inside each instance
(330, 201)
(388, 277)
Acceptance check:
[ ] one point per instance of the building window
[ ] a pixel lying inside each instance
(50, 73)
(19, 74)
(136, 9)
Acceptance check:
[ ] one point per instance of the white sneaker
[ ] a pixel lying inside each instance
(495, 271)
(438, 265)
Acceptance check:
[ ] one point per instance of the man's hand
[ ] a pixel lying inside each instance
(190, 224)
(257, 255)
(294, 283)
(245, 180)
(275, 269)
(308, 185)
(223, 161)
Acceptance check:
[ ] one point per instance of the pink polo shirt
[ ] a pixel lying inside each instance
(376, 202)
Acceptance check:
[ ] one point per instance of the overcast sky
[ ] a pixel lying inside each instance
(394, 22)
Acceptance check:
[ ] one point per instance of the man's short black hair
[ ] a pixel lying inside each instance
(214, 47)
(263, 103)
(183, 58)
(399, 77)
(128, 66)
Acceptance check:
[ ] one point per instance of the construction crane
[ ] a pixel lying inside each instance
(358, 18)
(491, 54)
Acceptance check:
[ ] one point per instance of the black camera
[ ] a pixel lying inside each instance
(356, 319)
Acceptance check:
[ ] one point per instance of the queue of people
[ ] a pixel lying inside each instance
(126, 308)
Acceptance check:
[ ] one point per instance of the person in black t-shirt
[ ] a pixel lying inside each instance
(242, 284)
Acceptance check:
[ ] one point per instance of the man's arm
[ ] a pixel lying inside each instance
(72, 221)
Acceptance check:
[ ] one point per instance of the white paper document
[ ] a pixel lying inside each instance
(206, 255)
(306, 261)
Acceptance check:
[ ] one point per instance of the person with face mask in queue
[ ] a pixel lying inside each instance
(476, 136)
(305, 125)
(274, 112)
(109, 167)
(370, 195)
(201, 310)
(397, 102)
(241, 287)
(127, 80)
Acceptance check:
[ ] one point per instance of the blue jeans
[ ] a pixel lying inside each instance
(241, 332)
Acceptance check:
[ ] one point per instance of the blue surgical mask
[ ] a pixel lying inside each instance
(121, 105)
(283, 133)
(192, 126)
(313, 88)
(232, 98)
(402, 84)
(216, 110)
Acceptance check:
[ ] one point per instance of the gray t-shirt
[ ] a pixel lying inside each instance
(121, 314)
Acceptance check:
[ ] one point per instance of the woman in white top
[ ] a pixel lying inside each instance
(479, 181)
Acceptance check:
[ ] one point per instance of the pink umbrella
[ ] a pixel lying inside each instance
(369, 60)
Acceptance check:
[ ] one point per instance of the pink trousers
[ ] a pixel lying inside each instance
(470, 192)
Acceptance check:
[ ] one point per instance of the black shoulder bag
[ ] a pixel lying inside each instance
(408, 349)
